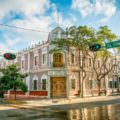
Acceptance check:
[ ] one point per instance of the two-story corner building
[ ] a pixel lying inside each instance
(54, 74)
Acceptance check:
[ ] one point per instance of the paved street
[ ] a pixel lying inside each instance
(93, 110)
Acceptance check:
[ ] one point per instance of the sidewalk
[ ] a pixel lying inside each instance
(50, 102)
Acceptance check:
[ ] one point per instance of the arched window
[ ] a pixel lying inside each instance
(72, 58)
(35, 82)
(35, 85)
(58, 60)
(44, 87)
(73, 82)
(36, 60)
(44, 82)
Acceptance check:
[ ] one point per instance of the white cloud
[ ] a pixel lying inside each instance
(28, 7)
(34, 18)
(104, 19)
(107, 8)
(59, 20)
(11, 42)
(103, 7)
(4, 48)
(84, 6)
(33, 12)
(73, 17)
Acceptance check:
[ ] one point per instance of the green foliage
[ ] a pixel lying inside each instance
(11, 79)
(104, 54)
(80, 37)
(23, 87)
(105, 33)
(83, 36)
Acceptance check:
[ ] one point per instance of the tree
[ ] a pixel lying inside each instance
(12, 79)
(104, 33)
(102, 66)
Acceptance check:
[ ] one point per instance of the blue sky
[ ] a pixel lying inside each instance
(43, 15)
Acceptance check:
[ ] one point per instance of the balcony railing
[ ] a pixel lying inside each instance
(58, 65)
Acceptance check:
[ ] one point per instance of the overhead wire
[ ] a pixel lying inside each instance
(27, 29)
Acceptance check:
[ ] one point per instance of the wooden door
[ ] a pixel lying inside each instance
(58, 87)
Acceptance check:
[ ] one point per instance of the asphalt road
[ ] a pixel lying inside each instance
(100, 110)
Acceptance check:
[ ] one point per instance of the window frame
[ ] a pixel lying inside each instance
(90, 84)
(22, 64)
(72, 58)
(73, 86)
(36, 85)
(58, 59)
(42, 84)
(44, 59)
(36, 60)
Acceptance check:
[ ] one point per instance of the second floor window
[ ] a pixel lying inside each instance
(44, 58)
(36, 60)
(72, 58)
(22, 64)
(58, 60)
(90, 61)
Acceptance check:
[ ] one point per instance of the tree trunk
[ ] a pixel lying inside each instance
(15, 95)
(82, 77)
(99, 88)
(79, 91)
(14, 92)
(82, 89)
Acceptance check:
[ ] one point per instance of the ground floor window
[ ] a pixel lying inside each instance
(35, 85)
(116, 84)
(72, 83)
(113, 84)
(91, 84)
(119, 79)
(44, 84)
(110, 84)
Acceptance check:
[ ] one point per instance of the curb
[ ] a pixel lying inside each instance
(50, 102)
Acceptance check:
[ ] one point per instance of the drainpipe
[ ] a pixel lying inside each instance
(28, 78)
(67, 75)
(104, 84)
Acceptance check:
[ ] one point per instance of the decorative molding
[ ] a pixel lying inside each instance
(44, 76)
(35, 77)
(44, 50)
(56, 73)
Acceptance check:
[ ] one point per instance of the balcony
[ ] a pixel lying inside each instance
(57, 65)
